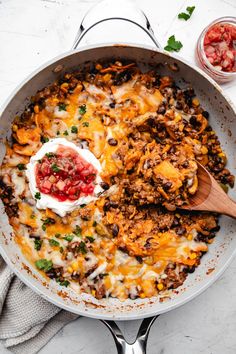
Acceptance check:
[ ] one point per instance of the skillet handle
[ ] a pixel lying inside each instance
(140, 343)
(108, 10)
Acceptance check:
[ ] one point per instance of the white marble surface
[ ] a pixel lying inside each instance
(33, 31)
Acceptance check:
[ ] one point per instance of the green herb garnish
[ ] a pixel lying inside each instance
(77, 231)
(63, 282)
(95, 223)
(44, 264)
(55, 168)
(68, 238)
(90, 238)
(61, 249)
(85, 124)
(37, 244)
(62, 106)
(53, 242)
(82, 109)
(32, 216)
(66, 133)
(74, 129)
(82, 247)
(44, 139)
(46, 222)
(50, 155)
(37, 195)
(57, 235)
(173, 45)
(186, 16)
(21, 166)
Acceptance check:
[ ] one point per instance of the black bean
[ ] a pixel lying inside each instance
(185, 164)
(161, 109)
(139, 259)
(193, 121)
(175, 222)
(167, 186)
(189, 269)
(112, 105)
(151, 121)
(205, 114)
(179, 105)
(115, 230)
(109, 205)
(112, 142)
(105, 185)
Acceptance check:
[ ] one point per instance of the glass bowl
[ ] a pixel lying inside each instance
(218, 75)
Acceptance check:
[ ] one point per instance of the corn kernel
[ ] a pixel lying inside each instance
(93, 292)
(221, 154)
(36, 109)
(75, 266)
(70, 270)
(65, 84)
(142, 295)
(177, 117)
(106, 77)
(160, 286)
(204, 150)
(190, 237)
(193, 255)
(195, 102)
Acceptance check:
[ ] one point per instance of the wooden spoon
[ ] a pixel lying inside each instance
(210, 196)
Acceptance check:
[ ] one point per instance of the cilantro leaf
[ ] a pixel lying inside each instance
(62, 106)
(90, 238)
(55, 168)
(82, 248)
(85, 124)
(37, 195)
(53, 242)
(37, 244)
(21, 166)
(173, 45)
(82, 109)
(74, 129)
(63, 282)
(186, 16)
(77, 231)
(44, 264)
(190, 9)
(68, 238)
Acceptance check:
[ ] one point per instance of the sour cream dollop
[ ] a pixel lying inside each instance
(47, 201)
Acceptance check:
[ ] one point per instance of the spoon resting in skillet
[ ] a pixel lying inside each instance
(210, 196)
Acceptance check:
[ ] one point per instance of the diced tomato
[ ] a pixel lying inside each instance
(65, 175)
(219, 47)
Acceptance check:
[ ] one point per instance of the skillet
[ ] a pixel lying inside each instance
(222, 119)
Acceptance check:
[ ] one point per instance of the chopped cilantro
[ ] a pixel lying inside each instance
(55, 168)
(77, 230)
(50, 154)
(82, 109)
(44, 139)
(173, 45)
(21, 166)
(82, 247)
(74, 129)
(32, 216)
(90, 238)
(63, 282)
(66, 133)
(57, 235)
(46, 222)
(68, 238)
(62, 106)
(44, 264)
(95, 223)
(53, 242)
(37, 244)
(61, 249)
(82, 205)
(37, 195)
(85, 124)
(186, 16)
